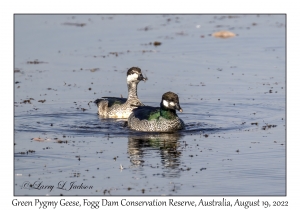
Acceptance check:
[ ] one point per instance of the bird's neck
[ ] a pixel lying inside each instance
(132, 90)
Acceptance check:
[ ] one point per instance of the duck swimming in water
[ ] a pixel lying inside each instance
(115, 107)
(157, 119)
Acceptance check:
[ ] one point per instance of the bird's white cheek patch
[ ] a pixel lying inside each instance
(166, 104)
(172, 103)
(132, 77)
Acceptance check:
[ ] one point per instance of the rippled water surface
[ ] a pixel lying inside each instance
(232, 92)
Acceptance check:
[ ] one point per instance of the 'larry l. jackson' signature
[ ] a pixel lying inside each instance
(62, 185)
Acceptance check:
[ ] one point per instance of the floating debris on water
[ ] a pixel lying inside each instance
(146, 28)
(26, 101)
(94, 69)
(223, 34)
(156, 43)
(48, 139)
(28, 151)
(74, 24)
(62, 141)
(36, 61)
(38, 139)
(265, 127)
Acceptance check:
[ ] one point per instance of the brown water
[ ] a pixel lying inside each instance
(232, 92)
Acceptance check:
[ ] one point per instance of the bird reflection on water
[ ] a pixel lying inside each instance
(141, 146)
